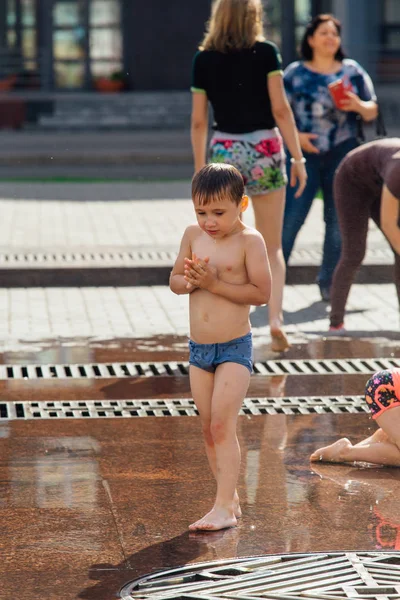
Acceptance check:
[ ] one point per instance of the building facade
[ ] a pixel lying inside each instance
(58, 55)
(64, 45)
(371, 34)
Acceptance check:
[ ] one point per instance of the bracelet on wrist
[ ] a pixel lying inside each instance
(301, 160)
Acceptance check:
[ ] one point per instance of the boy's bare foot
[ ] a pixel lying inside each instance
(217, 518)
(332, 453)
(279, 341)
(236, 506)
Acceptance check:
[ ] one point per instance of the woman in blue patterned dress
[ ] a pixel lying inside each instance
(327, 133)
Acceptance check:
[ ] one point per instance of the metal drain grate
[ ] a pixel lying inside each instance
(84, 257)
(312, 256)
(325, 366)
(338, 576)
(183, 407)
(177, 369)
(130, 256)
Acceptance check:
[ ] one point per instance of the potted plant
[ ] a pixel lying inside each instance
(8, 83)
(115, 82)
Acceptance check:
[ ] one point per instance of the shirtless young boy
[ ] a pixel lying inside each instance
(223, 265)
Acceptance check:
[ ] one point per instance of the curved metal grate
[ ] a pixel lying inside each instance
(176, 369)
(330, 576)
(183, 407)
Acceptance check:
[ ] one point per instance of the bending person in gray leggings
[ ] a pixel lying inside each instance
(367, 185)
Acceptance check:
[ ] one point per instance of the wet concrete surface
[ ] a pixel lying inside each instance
(175, 348)
(13, 390)
(90, 505)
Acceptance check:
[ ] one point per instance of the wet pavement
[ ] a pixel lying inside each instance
(166, 349)
(91, 504)
(174, 387)
(162, 348)
(88, 506)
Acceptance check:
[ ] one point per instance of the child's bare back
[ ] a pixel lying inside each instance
(214, 318)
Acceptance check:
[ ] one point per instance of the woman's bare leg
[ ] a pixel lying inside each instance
(268, 212)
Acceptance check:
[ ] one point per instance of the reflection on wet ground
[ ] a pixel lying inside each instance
(90, 505)
(158, 348)
(87, 506)
(164, 348)
(174, 387)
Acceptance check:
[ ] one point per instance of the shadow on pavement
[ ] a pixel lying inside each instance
(177, 551)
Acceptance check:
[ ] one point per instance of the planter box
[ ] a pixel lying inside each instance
(102, 84)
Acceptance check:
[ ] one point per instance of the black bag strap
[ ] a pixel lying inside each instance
(360, 130)
(380, 125)
(380, 128)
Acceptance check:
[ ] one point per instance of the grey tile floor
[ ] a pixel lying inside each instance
(95, 216)
(32, 313)
(83, 221)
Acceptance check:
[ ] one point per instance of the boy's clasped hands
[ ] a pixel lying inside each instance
(199, 274)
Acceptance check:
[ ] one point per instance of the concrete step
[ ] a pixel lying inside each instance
(137, 110)
(100, 122)
(44, 150)
(137, 266)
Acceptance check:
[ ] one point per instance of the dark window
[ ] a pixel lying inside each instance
(273, 22)
(389, 61)
(391, 26)
(82, 42)
(87, 41)
(18, 46)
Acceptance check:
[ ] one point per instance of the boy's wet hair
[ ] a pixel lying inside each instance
(217, 181)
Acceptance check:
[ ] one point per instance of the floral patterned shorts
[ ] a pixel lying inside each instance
(262, 163)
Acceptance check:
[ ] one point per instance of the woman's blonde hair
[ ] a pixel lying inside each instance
(233, 25)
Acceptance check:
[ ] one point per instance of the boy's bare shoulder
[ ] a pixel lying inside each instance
(192, 231)
(252, 236)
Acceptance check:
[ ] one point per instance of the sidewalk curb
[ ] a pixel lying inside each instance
(367, 274)
(164, 157)
(154, 275)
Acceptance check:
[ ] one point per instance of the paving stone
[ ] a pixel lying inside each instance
(96, 216)
(146, 311)
(34, 224)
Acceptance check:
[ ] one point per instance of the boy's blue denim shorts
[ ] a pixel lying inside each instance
(209, 356)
